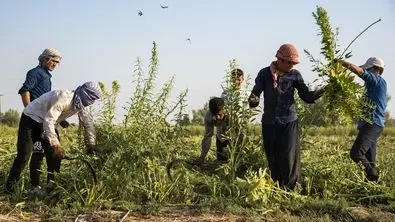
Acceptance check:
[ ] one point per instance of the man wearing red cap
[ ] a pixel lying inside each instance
(279, 121)
(364, 148)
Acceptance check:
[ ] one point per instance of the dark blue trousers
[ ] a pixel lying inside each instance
(29, 136)
(364, 147)
(281, 144)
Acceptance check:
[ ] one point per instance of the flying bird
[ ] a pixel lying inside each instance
(189, 40)
(164, 6)
(140, 13)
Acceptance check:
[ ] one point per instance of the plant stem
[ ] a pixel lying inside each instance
(358, 36)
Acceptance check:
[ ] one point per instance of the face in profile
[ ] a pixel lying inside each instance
(285, 65)
(51, 63)
(221, 113)
(376, 70)
(238, 79)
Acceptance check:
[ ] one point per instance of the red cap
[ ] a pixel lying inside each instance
(288, 52)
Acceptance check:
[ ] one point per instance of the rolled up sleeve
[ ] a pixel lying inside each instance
(58, 104)
(208, 134)
(86, 121)
(304, 92)
(259, 84)
(370, 78)
(30, 82)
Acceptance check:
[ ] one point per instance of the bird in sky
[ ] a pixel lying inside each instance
(140, 13)
(189, 40)
(164, 6)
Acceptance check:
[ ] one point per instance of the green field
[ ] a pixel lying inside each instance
(144, 161)
(132, 177)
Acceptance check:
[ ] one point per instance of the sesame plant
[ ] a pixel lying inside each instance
(244, 147)
(131, 156)
(134, 151)
(139, 148)
(344, 98)
(245, 175)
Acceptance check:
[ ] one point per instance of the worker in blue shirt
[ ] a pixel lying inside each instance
(37, 83)
(38, 79)
(364, 148)
(280, 129)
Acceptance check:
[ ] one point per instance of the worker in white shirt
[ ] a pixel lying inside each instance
(38, 120)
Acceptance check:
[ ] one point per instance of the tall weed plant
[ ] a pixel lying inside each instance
(138, 150)
(244, 146)
(344, 99)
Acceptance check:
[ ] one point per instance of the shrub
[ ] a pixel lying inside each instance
(11, 118)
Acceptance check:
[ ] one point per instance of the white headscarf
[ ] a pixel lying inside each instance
(86, 95)
(49, 53)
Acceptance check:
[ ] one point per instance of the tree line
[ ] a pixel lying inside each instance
(309, 114)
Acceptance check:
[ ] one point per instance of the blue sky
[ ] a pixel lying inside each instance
(100, 40)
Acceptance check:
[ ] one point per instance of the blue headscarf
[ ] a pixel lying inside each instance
(86, 95)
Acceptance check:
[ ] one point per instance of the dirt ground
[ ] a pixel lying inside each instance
(9, 213)
(13, 213)
(103, 216)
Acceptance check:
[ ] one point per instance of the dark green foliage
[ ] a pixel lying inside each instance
(10, 118)
(133, 154)
(244, 146)
(199, 114)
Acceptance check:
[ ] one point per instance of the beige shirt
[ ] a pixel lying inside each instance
(209, 123)
(52, 108)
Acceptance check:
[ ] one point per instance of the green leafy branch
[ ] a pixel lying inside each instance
(344, 99)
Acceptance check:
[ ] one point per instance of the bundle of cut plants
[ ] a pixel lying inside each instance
(344, 98)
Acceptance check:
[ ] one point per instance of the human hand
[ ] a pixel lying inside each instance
(335, 61)
(253, 101)
(90, 149)
(58, 151)
(198, 161)
(64, 124)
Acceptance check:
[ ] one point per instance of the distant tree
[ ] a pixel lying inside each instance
(185, 120)
(387, 113)
(311, 114)
(390, 122)
(198, 115)
(11, 118)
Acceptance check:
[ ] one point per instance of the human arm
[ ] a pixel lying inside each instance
(361, 72)
(307, 95)
(58, 103)
(30, 83)
(353, 68)
(207, 136)
(259, 87)
(25, 98)
(86, 120)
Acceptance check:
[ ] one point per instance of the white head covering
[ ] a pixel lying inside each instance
(86, 95)
(373, 61)
(49, 53)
